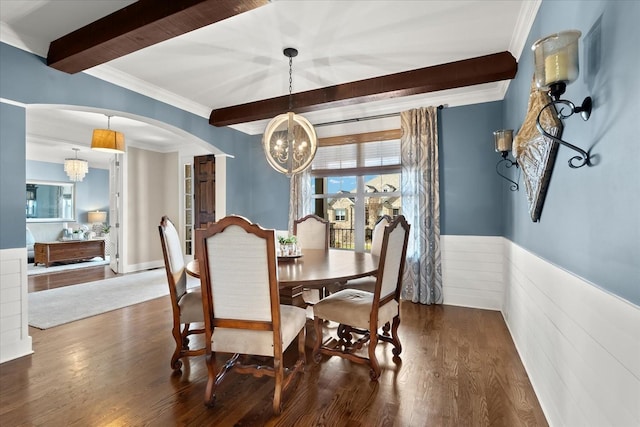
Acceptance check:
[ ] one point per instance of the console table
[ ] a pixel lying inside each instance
(70, 250)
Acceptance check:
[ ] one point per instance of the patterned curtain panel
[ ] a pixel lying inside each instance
(422, 281)
(300, 197)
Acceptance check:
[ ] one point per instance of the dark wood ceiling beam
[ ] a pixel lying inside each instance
(137, 26)
(468, 72)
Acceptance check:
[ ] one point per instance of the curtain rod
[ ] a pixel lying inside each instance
(361, 119)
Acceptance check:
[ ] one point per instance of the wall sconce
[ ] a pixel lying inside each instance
(556, 65)
(504, 140)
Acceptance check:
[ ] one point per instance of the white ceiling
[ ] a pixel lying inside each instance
(240, 59)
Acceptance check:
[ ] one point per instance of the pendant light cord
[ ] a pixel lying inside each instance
(290, 83)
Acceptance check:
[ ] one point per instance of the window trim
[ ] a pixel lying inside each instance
(373, 170)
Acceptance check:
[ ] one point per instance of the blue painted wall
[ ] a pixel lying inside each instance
(12, 171)
(92, 193)
(470, 190)
(26, 79)
(271, 210)
(590, 222)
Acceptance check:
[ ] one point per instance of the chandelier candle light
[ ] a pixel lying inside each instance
(76, 168)
(289, 140)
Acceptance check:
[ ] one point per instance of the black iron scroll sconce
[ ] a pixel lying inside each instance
(556, 65)
(504, 140)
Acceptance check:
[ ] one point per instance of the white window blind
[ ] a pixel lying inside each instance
(348, 158)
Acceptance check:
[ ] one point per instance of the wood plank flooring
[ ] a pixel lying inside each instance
(41, 282)
(459, 367)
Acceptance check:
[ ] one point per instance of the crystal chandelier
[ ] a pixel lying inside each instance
(290, 141)
(76, 168)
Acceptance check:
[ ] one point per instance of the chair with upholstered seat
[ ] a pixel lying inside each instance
(312, 232)
(186, 304)
(363, 313)
(243, 314)
(368, 283)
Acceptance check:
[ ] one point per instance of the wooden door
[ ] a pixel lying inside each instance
(204, 181)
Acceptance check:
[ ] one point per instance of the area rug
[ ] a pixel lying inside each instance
(41, 269)
(58, 306)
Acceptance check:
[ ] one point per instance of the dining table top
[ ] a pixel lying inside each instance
(317, 267)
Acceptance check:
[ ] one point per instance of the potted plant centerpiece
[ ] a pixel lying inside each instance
(288, 245)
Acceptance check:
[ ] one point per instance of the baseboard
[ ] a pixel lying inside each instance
(473, 271)
(14, 330)
(579, 344)
(132, 268)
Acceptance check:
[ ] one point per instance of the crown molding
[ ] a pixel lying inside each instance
(111, 75)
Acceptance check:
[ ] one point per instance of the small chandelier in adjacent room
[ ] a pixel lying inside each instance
(76, 168)
(289, 140)
(108, 140)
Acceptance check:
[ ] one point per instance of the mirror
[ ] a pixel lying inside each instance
(50, 201)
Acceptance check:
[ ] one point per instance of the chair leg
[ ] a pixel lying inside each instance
(394, 335)
(215, 379)
(302, 354)
(317, 323)
(385, 329)
(279, 377)
(185, 336)
(177, 353)
(209, 393)
(374, 373)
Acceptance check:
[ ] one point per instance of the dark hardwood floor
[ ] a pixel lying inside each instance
(459, 368)
(41, 282)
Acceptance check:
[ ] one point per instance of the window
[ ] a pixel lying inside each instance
(353, 186)
(188, 210)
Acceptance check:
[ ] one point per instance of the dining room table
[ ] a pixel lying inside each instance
(314, 269)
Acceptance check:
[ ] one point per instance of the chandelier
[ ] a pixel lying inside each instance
(107, 140)
(76, 168)
(290, 141)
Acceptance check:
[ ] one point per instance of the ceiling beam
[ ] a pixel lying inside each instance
(139, 25)
(482, 69)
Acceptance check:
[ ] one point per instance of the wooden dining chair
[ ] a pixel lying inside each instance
(363, 313)
(368, 283)
(243, 314)
(312, 232)
(186, 304)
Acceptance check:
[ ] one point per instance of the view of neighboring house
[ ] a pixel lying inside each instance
(340, 211)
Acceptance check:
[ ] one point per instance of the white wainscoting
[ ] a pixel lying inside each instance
(579, 344)
(14, 330)
(473, 271)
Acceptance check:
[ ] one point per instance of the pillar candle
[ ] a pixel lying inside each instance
(503, 140)
(558, 67)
